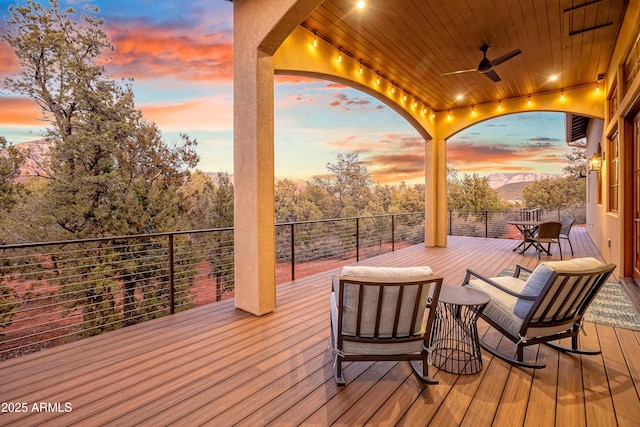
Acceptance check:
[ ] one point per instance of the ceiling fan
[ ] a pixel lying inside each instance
(486, 66)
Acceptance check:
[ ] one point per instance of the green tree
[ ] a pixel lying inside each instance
(555, 193)
(472, 193)
(576, 161)
(10, 161)
(349, 184)
(109, 171)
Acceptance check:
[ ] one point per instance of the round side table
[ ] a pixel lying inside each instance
(454, 338)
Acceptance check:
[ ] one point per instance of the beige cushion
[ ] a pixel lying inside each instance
(368, 272)
(351, 275)
(541, 274)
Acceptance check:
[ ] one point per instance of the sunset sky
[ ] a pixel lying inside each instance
(180, 56)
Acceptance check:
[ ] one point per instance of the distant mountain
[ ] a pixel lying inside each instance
(37, 152)
(498, 180)
(512, 192)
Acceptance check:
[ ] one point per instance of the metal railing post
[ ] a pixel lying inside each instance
(172, 291)
(293, 252)
(393, 233)
(486, 224)
(357, 239)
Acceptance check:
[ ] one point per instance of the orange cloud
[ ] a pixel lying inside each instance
(19, 112)
(143, 51)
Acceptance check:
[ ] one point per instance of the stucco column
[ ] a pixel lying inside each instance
(254, 237)
(260, 27)
(435, 187)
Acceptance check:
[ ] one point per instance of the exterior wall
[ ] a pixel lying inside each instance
(606, 228)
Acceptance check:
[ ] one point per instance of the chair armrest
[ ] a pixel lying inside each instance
(520, 268)
(496, 285)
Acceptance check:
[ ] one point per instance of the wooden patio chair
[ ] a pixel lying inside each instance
(547, 306)
(547, 233)
(565, 230)
(383, 313)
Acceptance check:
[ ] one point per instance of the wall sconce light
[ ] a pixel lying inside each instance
(595, 163)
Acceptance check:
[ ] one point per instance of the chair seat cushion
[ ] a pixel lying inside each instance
(540, 276)
(501, 307)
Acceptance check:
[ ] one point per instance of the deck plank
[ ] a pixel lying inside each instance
(218, 365)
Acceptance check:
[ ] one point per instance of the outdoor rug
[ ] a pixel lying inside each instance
(611, 306)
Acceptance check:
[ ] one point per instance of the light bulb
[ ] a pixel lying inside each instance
(361, 4)
(529, 101)
(499, 105)
(315, 40)
(360, 71)
(378, 78)
(340, 55)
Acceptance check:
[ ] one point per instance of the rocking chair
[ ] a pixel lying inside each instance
(548, 306)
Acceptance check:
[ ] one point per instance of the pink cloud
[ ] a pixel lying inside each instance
(8, 59)
(342, 100)
(146, 51)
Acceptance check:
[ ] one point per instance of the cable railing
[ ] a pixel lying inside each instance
(57, 292)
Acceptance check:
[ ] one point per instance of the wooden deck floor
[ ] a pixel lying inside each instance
(217, 365)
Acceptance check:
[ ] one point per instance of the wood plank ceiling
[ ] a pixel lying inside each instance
(413, 42)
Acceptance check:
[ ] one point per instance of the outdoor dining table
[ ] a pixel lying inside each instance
(528, 230)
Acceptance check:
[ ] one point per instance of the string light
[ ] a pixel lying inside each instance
(424, 109)
(598, 86)
(315, 39)
(404, 97)
(393, 88)
(377, 77)
(360, 71)
(339, 54)
(499, 105)
(415, 104)
(562, 94)
(529, 101)
(448, 114)
(473, 110)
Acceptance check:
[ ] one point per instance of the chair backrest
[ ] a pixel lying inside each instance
(566, 227)
(386, 307)
(567, 288)
(549, 230)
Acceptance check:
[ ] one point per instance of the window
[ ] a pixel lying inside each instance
(613, 101)
(613, 172)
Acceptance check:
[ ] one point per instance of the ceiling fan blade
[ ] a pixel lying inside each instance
(493, 75)
(458, 72)
(499, 60)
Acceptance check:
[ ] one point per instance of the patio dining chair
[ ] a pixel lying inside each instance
(383, 313)
(546, 307)
(565, 230)
(548, 233)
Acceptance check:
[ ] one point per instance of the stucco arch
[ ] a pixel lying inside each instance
(298, 57)
(583, 100)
